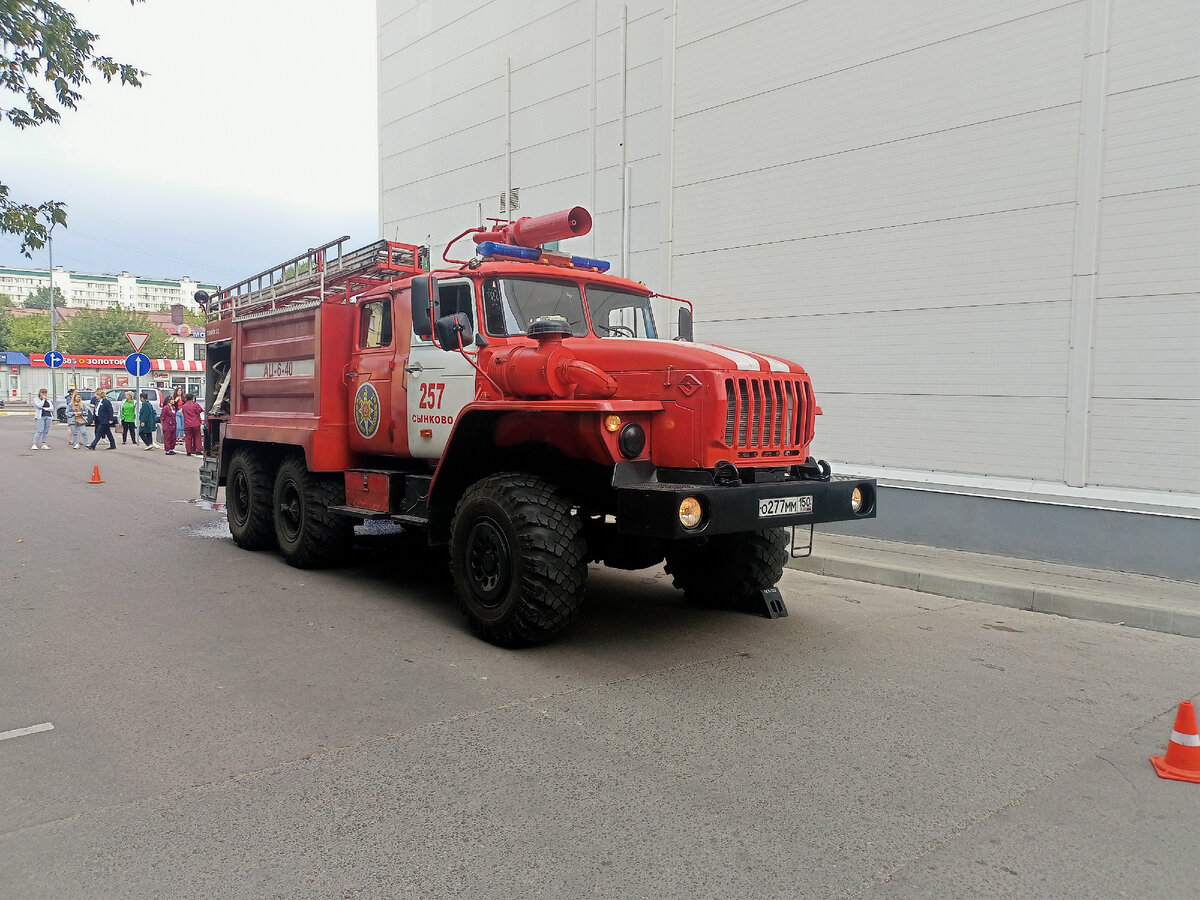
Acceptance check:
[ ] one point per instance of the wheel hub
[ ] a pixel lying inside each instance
(289, 510)
(488, 566)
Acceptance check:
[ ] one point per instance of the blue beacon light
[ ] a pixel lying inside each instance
(492, 248)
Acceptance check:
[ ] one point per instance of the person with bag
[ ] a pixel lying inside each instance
(43, 409)
(79, 417)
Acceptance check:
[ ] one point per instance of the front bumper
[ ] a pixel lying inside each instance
(651, 509)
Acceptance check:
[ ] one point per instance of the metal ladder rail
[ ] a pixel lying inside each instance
(325, 273)
(275, 284)
(333, 275)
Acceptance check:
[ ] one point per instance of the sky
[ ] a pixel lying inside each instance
(253, 138)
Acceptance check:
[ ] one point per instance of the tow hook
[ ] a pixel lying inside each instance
(813, 470)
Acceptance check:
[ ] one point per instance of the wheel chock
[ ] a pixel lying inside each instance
(770, 604)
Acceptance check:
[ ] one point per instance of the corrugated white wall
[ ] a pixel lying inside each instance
(447, 108)
(976, 224)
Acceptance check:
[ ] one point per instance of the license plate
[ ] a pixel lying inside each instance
(784, 506)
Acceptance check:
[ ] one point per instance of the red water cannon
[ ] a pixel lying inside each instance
(533, 232)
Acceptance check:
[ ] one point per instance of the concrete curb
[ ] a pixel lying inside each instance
(1076, 604)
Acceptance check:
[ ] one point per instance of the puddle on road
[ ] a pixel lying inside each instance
(213, 531)
(219, 530)
(204, 504)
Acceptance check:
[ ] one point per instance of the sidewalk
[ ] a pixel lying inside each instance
(1141, 601)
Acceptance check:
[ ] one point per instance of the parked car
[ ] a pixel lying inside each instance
(60, 405)
(117, 396)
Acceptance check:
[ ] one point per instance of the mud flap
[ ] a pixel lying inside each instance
(208, 479)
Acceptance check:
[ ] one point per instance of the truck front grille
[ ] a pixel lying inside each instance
(767, 415)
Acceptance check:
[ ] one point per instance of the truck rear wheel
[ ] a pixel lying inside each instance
(308, 534)
(729, 569)
(248, 501)
(518, 558)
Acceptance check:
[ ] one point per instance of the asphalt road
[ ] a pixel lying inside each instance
(226, 726)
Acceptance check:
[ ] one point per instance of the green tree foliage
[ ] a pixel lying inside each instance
(293, 271)
(102, 332)
(40, 299)
(45, 57)
(29, 334)
(5, 326)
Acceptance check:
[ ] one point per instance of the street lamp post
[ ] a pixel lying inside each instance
(53, 329)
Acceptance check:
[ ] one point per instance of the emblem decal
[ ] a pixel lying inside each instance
(366, 410)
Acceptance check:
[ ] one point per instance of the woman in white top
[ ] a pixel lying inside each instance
(43, 410)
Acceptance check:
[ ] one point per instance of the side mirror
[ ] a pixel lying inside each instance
(685, 324)
(424, 299)
(452, 329)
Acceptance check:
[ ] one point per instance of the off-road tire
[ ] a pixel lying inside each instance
(518, 558)
(248, 501)
(309, 536)
(728, 570)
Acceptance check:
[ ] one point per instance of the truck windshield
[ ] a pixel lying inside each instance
(620, 313)
(510, 305)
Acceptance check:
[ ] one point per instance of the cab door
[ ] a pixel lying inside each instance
(369, 378)
(440, 382)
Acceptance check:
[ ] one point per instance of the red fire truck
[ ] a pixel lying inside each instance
(523, 407)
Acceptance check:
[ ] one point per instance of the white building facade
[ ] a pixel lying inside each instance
(977, 225)
(89, 291)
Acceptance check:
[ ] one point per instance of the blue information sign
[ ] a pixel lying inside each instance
(137, 364)
(53, 359)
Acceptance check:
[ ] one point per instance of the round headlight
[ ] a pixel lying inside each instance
(856, 500)
(632, 440)
(690, 512)
(612, 423)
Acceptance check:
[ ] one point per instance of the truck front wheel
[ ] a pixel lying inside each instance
(308, 534)
(518, 558)
(248, 501)
(729, 569)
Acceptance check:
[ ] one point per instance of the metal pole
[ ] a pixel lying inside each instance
(53, 330)
(508, 138)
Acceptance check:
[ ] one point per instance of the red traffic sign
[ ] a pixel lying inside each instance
(138, 339)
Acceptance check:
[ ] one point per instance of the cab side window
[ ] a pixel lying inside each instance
(375, 324)
(457, 298)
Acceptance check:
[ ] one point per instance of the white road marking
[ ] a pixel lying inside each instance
(21, 732)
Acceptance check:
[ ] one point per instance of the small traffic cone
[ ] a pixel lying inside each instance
(1182, 762)
(96, 479)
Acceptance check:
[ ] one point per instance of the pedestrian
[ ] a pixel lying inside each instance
(129, 419)
(79, 417)
(169, 427)
(177, 405)
(192, 418)
(43, 410)
(104, 419)
(147, 422)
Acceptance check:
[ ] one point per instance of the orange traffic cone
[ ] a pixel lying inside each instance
(96, 479)
(1182, 762)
